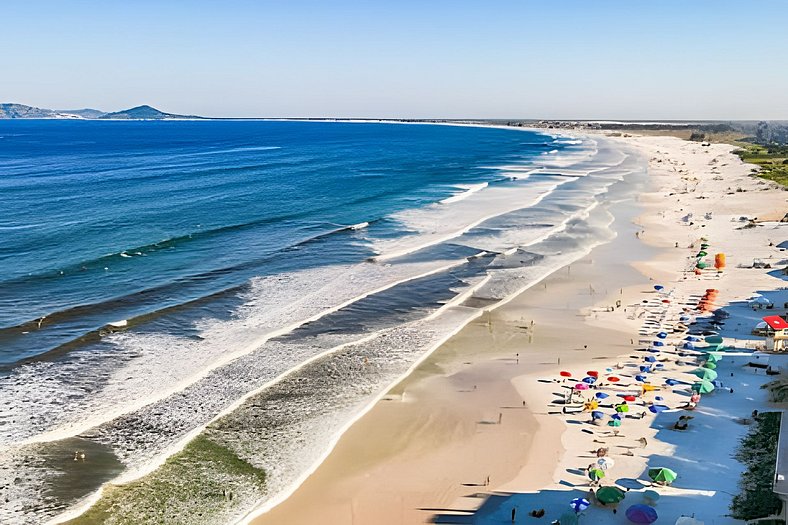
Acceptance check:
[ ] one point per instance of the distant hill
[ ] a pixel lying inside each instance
(21, 111)
(143, 113)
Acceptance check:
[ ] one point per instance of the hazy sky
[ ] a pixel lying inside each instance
(660, 59)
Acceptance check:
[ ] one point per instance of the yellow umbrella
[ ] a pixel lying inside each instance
(590, 405)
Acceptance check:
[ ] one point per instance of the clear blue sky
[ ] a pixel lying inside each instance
(659, 59)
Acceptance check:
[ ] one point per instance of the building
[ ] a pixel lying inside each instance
(776, 333)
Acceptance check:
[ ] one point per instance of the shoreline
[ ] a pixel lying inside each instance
(294, 509)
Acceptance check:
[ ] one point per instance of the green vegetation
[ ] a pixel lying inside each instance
(758, 451)
(778, 390)
(204, 482)
(772, 160)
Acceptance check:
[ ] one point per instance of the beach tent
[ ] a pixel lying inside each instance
(662, 475)
(579, 504)
(605, 463)
(641, 514)
(705, 374)
(610, 495)
(703, 387)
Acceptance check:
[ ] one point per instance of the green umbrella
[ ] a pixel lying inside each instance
(608, 495)
(700, 265)
(709, 365)
(595, 474)
(702, 254)
(662, 474)
(623, 407)
(703, 387)
(705, 374)
(714, 340)
(614, 423)
(568, 518)
(711, 357)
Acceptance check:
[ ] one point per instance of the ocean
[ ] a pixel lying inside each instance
(156, 275)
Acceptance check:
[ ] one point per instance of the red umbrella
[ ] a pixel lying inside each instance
(564, 373)
(613, 379)
(630, 398)
(581, 386)
(665, 301)
(593, 373)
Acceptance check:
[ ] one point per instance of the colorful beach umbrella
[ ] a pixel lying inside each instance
(703, 387)
(641, 514)
(605, 463)
(630, 398)
(671, 382)
(597, 414)
(579, 504)
(581, 386)
(705, 374)
(692, 338)
(623, 407)
(656, 409)
(709, 365)
(614, 423)
(592, 373)
(651, 496)
(662, 475)
(650, 359)
(595, 474)
(589, 380)
(564, 373)
(613, 379)
(590, 405)
(601, 395)
(711, 357)
(641, 378)
(610, 495)
(616, 416)
(688, 346)
(658, 287)
(662, 335)
(658, 343)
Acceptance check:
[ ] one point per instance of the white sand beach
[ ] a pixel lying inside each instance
(479, 428)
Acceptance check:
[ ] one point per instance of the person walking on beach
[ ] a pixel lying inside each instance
(514, 514)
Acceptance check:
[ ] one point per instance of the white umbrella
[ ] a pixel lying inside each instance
(605, 463)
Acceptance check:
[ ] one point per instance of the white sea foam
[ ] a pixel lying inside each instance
(470, 189)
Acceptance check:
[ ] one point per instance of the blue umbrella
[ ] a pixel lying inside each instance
(654, 350)
(650, 359)
(688, 346)
(656, 409)
(659, 365)
(645, 368)
(692, 338)
(641, 514)
(671, 382)
(601, 395)
(662, 335)
(658, 343)
(658, 287)
(579, 504)
(658, 398)
(616, 416)
(589, 380)
(641, 378)
(597, 414)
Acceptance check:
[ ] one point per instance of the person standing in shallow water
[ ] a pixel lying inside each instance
(514, 513)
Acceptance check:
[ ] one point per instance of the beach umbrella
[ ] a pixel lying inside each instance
(580, 504)
(659, 365)
(589, 380)
(671, 382)
(688, 346)
(702, 254)
(651, 496)
(568, 518)
(711, 357)
(597, 414)
(610, 495)
(692, 338)
(605, 463)
(629, 398)
(662, 475)
(685, 318)
(641, 378)
(648, 388)
(654, 350)
(645, 368)
(623, 407)
(705, 374)
(662, 335)
(658, 343)
(658, 287)
(601, 395)
(592, 373)
(703, 387)
(658, 398)
(595, 474)
(700, 265)
(709, 365)
(590, 405)
(616, 416)
(564, 373)
(656, 409)
(581, 386)
(614, 423)
(666, 301)
(641, 514)
(613, 379)
(714, 339)
(650, 359)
